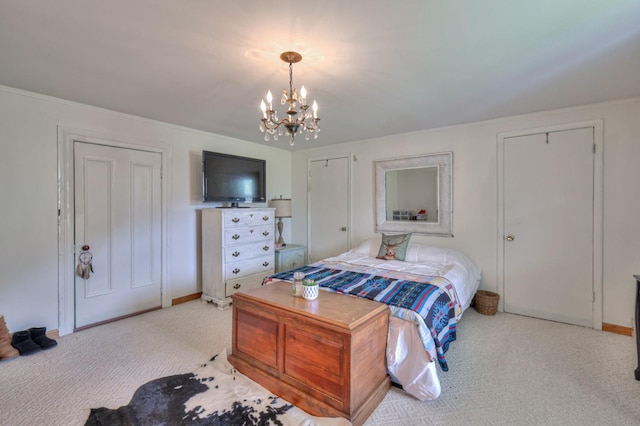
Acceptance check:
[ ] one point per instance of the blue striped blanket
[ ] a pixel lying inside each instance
(431, 302)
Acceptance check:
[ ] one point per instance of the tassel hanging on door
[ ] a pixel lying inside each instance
(85, 267)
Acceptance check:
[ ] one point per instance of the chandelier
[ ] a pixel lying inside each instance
(305, 121)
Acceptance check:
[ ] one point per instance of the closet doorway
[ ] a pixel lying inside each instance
(550, 192)
(112, 213)
(329, 224)
(118, 220)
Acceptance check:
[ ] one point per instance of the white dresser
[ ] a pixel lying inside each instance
(237, 251)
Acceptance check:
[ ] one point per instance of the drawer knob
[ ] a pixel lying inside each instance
(235, 220)
(236, 254)
(265, 233)
(235, 236)
(236, 286)
(265, 248)
(265, 264)
(265, 218)
(235, 271)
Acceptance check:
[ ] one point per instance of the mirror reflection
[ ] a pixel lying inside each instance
(413, 194)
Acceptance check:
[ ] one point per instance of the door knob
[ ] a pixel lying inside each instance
(510, 237)
(344, 228)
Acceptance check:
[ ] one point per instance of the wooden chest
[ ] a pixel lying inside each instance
(326, 356)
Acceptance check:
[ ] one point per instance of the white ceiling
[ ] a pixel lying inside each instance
(375, 67)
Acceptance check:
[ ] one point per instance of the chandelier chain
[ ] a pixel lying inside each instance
(290, 77)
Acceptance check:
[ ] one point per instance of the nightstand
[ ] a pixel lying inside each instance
(290, 256)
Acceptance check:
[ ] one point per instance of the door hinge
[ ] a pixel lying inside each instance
(594, 148)
(594, 297)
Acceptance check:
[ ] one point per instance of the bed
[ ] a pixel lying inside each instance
(427, 293)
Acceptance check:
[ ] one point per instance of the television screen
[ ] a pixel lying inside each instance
(232, 178)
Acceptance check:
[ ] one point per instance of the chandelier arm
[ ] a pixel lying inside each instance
(270, 122)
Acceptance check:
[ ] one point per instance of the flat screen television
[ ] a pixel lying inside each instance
(233, 179)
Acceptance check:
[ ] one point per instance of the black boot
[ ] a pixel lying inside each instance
(21, 340)
(38, 335)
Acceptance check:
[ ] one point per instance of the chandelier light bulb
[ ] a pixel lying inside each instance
(303, 95)
(269, 99)
(263, 107)
(314, 107)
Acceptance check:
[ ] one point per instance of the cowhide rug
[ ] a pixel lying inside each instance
(215, 394)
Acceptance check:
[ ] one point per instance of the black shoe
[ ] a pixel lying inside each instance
(38, 335)
(21, 340)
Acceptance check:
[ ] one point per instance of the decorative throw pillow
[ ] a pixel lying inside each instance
(394, 246)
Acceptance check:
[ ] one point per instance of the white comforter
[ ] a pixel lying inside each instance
(408, 362)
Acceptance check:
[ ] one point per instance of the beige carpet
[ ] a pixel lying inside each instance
(504, 370)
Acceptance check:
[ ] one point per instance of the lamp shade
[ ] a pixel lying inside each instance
(282, 206)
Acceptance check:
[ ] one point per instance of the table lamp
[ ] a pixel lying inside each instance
(283, 209)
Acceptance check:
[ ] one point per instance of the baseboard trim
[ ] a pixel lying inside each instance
(187, 298)
(95, 324)
(617, 329)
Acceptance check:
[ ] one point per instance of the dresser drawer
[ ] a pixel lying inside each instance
(248, 251)
(235, 219)
(248, 235)
(245, 283)
(248, 267)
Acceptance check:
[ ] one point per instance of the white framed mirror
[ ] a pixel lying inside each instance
(413, 194)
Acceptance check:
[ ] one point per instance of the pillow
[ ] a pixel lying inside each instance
(393, 246)
(434, 255)
(369, 247)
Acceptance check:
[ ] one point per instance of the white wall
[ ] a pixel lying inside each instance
(28, 195)
(474, 148)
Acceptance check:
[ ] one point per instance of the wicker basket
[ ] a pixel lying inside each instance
(486, 302)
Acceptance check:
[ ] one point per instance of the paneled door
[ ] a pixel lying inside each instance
(118, 216)
(549, 226)
(328, 224)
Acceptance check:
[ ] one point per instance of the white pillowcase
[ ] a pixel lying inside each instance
(415, 252)
(369, 247)
(423, 253)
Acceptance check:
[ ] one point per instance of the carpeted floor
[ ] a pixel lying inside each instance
(504, 370)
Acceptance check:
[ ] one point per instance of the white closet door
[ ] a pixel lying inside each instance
(118, 215)
(548, 226)
(328, 208)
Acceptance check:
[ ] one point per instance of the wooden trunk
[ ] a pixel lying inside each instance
(326, 356)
